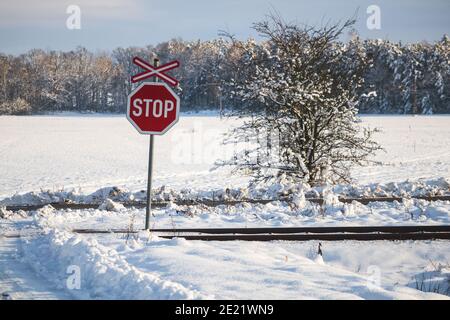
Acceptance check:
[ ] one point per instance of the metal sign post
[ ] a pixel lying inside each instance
(148, 208)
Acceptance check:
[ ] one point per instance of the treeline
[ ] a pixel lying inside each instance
(399, 78)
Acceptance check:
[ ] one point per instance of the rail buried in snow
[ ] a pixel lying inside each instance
(323, 236)
(283, 230)
(212, 203)
(359, 233)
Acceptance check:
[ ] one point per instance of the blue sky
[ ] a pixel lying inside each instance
(106, 24)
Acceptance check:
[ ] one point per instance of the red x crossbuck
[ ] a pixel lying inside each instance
(155, 71)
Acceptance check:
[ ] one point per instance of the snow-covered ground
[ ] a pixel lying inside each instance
(80, 158)
(112, 267)
(90, 152)
(17, 278)
(274, 214)
(143, 266)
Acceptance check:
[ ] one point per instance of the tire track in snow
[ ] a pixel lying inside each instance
(19, 280)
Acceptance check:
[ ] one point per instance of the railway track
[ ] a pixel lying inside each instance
(212, 203)
(359, 233)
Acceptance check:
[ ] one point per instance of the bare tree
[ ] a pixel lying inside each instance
(300, 85)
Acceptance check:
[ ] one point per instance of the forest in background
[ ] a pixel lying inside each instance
(398, 78)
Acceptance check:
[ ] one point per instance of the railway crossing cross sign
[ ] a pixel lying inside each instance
(153, 108)
(154, 71)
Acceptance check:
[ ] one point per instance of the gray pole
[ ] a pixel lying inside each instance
(148, 209)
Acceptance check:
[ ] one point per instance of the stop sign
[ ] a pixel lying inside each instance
(153, 108)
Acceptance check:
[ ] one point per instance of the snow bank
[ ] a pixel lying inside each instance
(274, 189)
(45, 211)
(273, 214)
(436, 279)
(110, 205)
(272, 270)
(408, 188)
(70, 196)
(12, 215)
(36, 198)
(5, 214)
(103, 273)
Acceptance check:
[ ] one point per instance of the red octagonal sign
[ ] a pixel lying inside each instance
(153, 108)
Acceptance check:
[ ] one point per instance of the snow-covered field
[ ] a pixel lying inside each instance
(54, 152)
(89, 152)
(79, 158)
